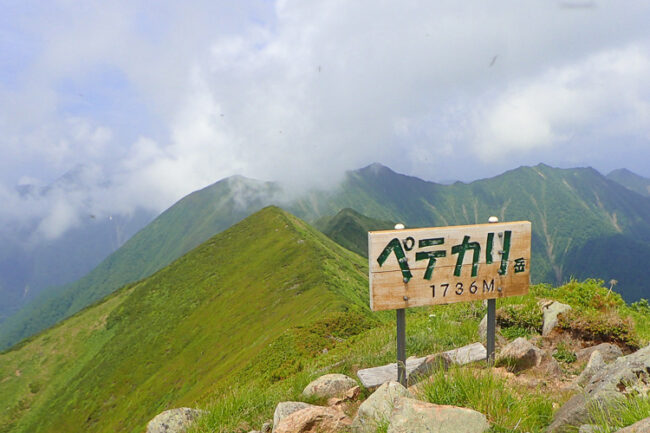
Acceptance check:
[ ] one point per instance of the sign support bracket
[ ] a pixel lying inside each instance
(401, 346)
(491, 320)
(491, 329)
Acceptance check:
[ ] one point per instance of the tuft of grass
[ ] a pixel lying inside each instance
(515, 332)
(507, 408)
(622, 414)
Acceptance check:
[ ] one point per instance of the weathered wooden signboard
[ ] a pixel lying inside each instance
(428, 266)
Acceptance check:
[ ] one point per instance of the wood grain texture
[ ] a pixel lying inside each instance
(392, 286)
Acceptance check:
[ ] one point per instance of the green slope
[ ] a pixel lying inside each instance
(631, 181)
(572, 211)
(350, 229)
(180, 335)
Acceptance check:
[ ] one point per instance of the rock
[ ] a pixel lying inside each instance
(314, 419)
(589, 428)
(595, 364)
(628, 374)
(329, 385)
(461, 356)
(286, 408)
(419, 367)
(608, 351)
(173, 420)
(551, 311)
(376, 376)
(482, 328)
(552, 369)
(350, 395)
(267, 427)
(519, 355)
(378, 407)
(642, 426)
(414, 416)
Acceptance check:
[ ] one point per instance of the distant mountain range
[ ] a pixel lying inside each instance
(584, 225)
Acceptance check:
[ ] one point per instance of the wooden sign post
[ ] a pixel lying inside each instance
(443, 265)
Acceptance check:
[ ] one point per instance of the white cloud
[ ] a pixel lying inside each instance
(606, 95)
(161, 102)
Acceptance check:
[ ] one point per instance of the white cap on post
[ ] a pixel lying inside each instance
(399, 226)
(493, 219)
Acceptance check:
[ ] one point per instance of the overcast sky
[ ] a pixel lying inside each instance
(155, 99)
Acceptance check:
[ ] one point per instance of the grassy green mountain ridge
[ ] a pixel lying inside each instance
(631, 181)
(573, 212)
(242, 322)
(190, 329)
(350, 229)
(183, 226)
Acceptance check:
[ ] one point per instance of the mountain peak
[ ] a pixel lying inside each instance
(376, 169)
(631, 181)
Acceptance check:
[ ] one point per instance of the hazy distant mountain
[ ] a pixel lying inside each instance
(580, 221)
(30, 263)
(631, 181)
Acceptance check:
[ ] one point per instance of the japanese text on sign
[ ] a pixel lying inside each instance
(448, 264)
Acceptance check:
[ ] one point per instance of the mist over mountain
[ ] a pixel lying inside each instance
(62, 235)
(577, 215)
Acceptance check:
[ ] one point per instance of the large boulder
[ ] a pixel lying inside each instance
(286, 408)
(329, 385)
(415, 416)
(520, 354)
(642, 426)
(173, 420)
(551, 311)
(608, 351)
(606, 388)
(314, 419)
(377, 408)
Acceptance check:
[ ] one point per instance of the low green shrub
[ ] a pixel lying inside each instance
(527, 318)
(642, 306)
(590, 294)
(564, 354)
(598, 326)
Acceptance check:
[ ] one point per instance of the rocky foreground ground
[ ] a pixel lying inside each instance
(606, 378)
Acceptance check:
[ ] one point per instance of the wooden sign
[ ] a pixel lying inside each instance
(429, 266)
